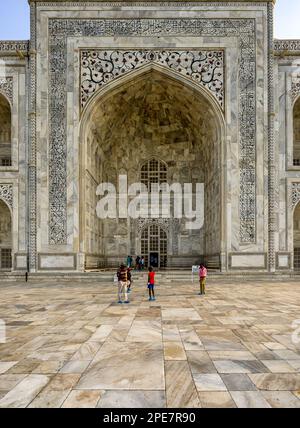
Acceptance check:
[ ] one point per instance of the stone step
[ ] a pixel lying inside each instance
(141, 277)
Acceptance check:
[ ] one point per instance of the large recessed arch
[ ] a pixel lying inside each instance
(151, 113)
(5, 131)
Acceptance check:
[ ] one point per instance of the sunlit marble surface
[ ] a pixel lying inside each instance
(72, 345)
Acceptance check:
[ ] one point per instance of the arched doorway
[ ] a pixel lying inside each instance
(5, 237)
(151, 127)
(5, 132)
(154, 246)
(297, 238)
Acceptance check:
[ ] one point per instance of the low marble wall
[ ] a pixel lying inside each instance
(284, 261)
(247, 261)
(20, 262)
(57, 261)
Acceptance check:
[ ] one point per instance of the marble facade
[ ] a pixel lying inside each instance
(103, 86)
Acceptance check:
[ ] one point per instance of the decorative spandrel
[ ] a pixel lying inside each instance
(6, 194)
(295, 194)
(99, 67)
(295, 89)
(6, 87)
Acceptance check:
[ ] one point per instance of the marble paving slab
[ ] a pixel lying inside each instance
(281, 399)
(238, 382)
(236, 366)
(56, 392)
(216, 400)
(209, 382)
(200, 362)
(9, 381)
(126, 366)
(25, 391)
(5, 366)
(145, 331)
(174, 351)
(279, 366)
(132, 399)
(82, 399)
(180, 314)
(249, 399)
(180, 387)
(277, 382)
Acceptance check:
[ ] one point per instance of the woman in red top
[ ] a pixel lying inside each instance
(151, 276)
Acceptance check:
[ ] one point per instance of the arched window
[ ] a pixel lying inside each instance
(153, 171)
(5, 237)
(296, 122)
(5, 132)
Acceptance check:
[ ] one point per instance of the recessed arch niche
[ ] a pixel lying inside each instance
(147, 115)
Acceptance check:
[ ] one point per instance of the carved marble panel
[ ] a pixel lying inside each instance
(164, 223)
(287, 46)
(100, 67)
(13, 46)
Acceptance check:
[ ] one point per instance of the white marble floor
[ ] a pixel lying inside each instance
(73, 345)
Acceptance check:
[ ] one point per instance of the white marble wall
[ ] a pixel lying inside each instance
(230, 147)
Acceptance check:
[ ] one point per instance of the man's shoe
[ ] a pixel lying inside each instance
(120, 301)
(126, 301)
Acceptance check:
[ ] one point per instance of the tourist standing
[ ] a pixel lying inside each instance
(202, 278)
(122, 284)
(129, 261)
(142, 263)
(151, 282)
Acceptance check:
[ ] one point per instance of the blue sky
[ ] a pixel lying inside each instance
(14, 19)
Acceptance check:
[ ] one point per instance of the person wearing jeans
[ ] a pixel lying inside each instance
(151, 280)
(122, 284)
